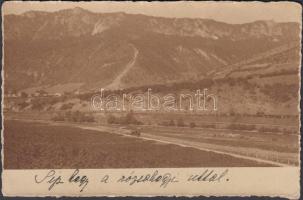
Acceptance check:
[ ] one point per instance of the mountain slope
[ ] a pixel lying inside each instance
(99, 50)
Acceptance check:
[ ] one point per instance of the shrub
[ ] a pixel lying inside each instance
(76, 116)
(58, 117)
(67, 106)
(89, 118)
(280, 92)
(23, 105)
(180, 122)
(192, 125)
(125, 120)
(86, 96)
(130, 119)
(171, 123)
(112, 119)
(24, 95)
(260, 113)
(38, 104)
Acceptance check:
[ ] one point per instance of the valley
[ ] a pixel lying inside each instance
(56, 63)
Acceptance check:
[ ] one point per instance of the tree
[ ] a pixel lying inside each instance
(171, 123)
(23, 94)
(112, 119)
(192, 125)
(130, 119)
(180, 122)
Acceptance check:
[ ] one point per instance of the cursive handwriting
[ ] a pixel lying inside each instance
(50, 178)
(208, 176)
(164, 179)
(81, 180)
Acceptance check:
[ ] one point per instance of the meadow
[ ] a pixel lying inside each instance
(34, 145)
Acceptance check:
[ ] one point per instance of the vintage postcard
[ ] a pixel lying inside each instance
(151, 98)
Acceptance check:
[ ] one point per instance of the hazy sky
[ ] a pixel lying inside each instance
(230, 12)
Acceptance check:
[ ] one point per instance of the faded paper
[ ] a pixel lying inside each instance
(151, 98)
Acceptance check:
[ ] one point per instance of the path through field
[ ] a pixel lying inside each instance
(253, 154)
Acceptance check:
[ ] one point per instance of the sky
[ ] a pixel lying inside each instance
(229, 12)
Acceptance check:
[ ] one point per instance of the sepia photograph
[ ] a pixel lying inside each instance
(150, 85)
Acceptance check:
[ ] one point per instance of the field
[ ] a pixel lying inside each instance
(270, 146)
(33, 145)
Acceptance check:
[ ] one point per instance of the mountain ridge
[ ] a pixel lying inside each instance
(91, 18)
(82, 10)
(79, 46)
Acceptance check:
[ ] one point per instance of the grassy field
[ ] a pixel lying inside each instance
(29, 145)
(236, 138)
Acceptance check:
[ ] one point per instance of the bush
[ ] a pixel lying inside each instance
(260, 113)
(130, 119)
(125, 120)
(24, 95)
(180, 122)
(192, 125)
(40, 103)
(23, 105)
(67, 106)
(88, 118)
(58, 117)
(171, 123)
(86, 96)
(112, 119)
(280, 92)
(76, 116)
